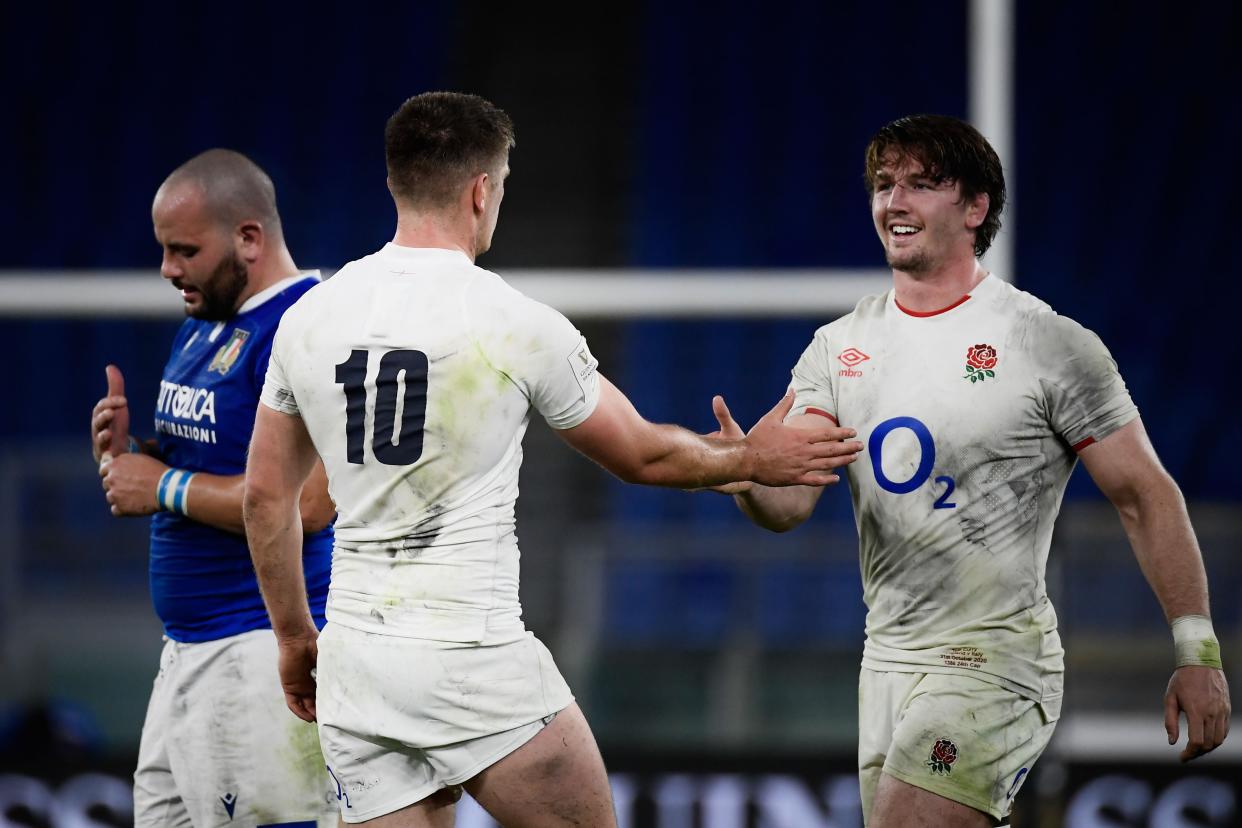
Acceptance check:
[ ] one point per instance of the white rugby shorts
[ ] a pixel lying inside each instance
(400, 718)
(966, 739)
(219, 746)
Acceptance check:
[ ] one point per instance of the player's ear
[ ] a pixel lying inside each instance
(977, 210)
(479, 192)
(248, 240)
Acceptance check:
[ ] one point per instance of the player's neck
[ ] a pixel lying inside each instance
(415, 229)
(927, 291)
(267, 271)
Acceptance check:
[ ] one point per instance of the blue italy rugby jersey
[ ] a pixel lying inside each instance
(202, 581)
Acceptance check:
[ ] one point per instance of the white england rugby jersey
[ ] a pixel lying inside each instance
(415, 373)
(971, 418)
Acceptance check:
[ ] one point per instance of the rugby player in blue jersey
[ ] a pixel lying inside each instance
(219, 747)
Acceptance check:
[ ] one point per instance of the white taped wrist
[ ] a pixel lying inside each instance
(1194, 642)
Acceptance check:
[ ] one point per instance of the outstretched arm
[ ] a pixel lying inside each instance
(775, 509)
(1125, 467)
(282, 457)
(618, 438)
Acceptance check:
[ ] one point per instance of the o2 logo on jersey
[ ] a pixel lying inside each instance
(927, 460)
(391, 446)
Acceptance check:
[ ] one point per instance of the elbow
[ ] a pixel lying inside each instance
(776, 520)
(1156, 494)
(311, 526)
(1128, 510)
(778, 523)
(783, 524)
(252, 504)
(317, 518)
(256, 504)
(315, 507)
(637, 475)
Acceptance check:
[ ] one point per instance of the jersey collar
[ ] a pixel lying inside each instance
(424, 253)
(984, 286)
(270, 291)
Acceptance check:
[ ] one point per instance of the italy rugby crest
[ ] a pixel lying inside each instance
(229, 352)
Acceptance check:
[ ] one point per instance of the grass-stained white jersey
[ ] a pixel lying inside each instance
(971, 418)
(415, 373)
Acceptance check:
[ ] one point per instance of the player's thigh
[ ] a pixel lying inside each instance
(556, 778)
(240, 755)
(157, 801)
(902, 805)
(965, 740)
(435, 811)
(882, 696)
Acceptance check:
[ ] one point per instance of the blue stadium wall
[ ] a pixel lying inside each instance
(670, 135)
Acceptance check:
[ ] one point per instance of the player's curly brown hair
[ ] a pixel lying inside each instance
(437, 141)
(949, 150)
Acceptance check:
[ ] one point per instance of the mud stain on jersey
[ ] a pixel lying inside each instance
(973, 531)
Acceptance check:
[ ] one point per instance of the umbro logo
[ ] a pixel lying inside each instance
(230, 802)
(851, 358)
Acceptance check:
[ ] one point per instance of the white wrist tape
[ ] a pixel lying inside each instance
(1194, 642)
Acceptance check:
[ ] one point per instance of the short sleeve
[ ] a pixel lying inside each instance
(541, 352)
(276, 392)
(812, 381)
(1085, 395)
(564, 385)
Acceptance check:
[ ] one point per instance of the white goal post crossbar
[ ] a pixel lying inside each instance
(603, 294)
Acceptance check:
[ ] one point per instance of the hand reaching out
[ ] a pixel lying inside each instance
(797, 454)
(729, 430)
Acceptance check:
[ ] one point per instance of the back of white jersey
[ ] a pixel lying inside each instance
(971, 418)
(415, 372)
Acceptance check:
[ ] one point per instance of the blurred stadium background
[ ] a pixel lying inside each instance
(717, 663)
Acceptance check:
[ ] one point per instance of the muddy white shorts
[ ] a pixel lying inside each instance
(400, 718)
(963, 738)
(219, 746)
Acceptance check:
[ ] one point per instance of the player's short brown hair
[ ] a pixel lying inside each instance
(437, 141)
(949, 150)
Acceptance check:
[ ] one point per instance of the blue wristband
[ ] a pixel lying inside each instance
(172, 492)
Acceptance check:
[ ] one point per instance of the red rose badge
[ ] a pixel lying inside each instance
(943, 755)
(980, 360)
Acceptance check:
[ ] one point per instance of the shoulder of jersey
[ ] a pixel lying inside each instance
(488, 280)
(1020, 301)
(312, 295)
(868, 306)
(489, 284)
(1039, 315)
(1051, 337)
